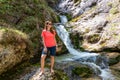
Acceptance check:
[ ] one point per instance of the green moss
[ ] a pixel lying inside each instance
(59, 75)
(75, 1)
(114, 10)
(115, 60)
(12, 36)
(75, 40)
(83, 72)
(118, 58)
(37, 64)
(113, 26)
(93, 38)
(109, 4)
(69, 16)
(15, 31)
(81, 48)
(76, 19)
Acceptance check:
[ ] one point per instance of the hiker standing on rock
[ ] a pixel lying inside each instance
(49, 42)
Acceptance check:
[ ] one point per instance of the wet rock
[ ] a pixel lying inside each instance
(76, 71)
(83, 72)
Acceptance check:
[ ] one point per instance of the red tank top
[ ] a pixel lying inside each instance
(49, 38)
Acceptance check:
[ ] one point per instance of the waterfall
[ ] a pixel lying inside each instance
(64, 19)
(93, 60)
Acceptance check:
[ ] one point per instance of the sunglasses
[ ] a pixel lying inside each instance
(49, 23)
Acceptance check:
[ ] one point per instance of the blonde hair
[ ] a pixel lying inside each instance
(51, 29)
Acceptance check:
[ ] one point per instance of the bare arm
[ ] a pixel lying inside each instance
(43, 42)
(55, 38)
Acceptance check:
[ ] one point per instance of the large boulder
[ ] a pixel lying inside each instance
(99, 27)
(15, 47)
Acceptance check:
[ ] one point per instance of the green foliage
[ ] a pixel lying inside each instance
(27, 16)
(83, 72)
(26, 13)
(12, 36)
(77, 40)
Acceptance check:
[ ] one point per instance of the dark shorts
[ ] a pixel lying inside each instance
(52, 51)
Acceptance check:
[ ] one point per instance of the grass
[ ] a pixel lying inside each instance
(14, 30)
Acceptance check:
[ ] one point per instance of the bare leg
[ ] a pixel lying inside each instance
(52, 63)
(42, 63)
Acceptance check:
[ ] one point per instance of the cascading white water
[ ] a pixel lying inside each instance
(89, 59)
(64, 19)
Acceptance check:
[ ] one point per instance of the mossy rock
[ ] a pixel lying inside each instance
(69, 16)
(83, 72)
(93, 38)
(115, 60)
(15, 47)
(110, 4)
(114, 10)
(76, 40)
(75, 1)
(118, 58)
(59, 75)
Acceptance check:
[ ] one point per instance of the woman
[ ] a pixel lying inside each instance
(49, 42)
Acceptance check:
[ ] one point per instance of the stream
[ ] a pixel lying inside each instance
(95, 61)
